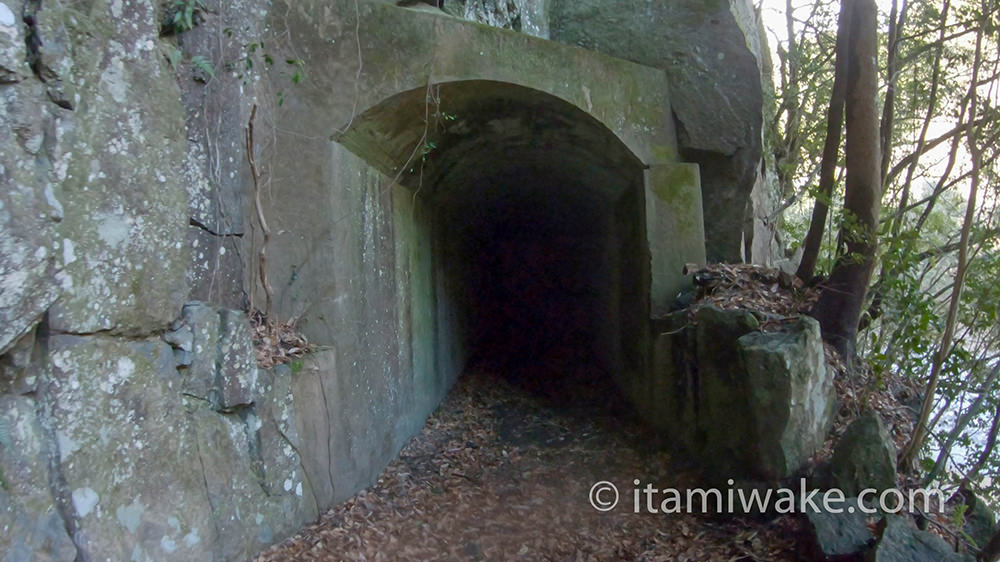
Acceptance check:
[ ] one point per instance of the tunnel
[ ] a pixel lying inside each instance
(534, 213)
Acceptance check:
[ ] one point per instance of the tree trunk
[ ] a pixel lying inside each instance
(840, 303)
(892, 70)
(831, 149)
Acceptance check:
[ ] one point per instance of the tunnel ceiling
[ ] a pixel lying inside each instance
(451, 142)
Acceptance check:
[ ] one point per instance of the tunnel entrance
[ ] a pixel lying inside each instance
(534, 215)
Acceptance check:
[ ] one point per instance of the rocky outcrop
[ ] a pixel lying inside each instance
(980, 520)
(526, 16)
(33, 160)
(114, 444)
(865, 457)
(749, 403)
(841, 534)
(901, 542)
(791, 390)
(33, 527)
(712, 55)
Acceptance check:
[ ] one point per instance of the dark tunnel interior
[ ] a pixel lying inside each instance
(537, 274)
(536, 215)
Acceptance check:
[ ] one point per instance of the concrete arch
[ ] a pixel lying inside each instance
(382, 51)
(376, 262)
(536, 214)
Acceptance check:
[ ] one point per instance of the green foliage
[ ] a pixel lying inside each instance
(182, 15)
(254, 54)
(203, 65)
(428, 147)
(174, 57)
(923, 205)
(958, 516)
(298, 72)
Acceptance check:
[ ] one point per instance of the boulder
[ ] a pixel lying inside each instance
(839, 536)
(790, 392)
(980, 520)
(751, 404)
(902, 542)
(865, 457)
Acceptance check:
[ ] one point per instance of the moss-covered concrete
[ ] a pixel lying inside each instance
(675, 229)
(363, 262)
(392, 153)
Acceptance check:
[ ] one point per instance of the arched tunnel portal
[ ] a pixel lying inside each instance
(536, 216)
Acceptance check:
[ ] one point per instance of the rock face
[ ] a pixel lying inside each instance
(31, 249)
(109, 403)
(107, 450)
(750, 403)
(865, 457)
(980, 520)
(144, 471)
(214, 350)
(527, 16)
(712, 56)
(33, 527)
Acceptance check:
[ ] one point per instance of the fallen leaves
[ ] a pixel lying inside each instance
(503, 473)
(770, 292)
(276, 342)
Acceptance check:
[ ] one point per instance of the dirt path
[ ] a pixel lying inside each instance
(501, 472)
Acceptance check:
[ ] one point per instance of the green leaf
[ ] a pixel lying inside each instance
(174, 57)
(204, 65)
